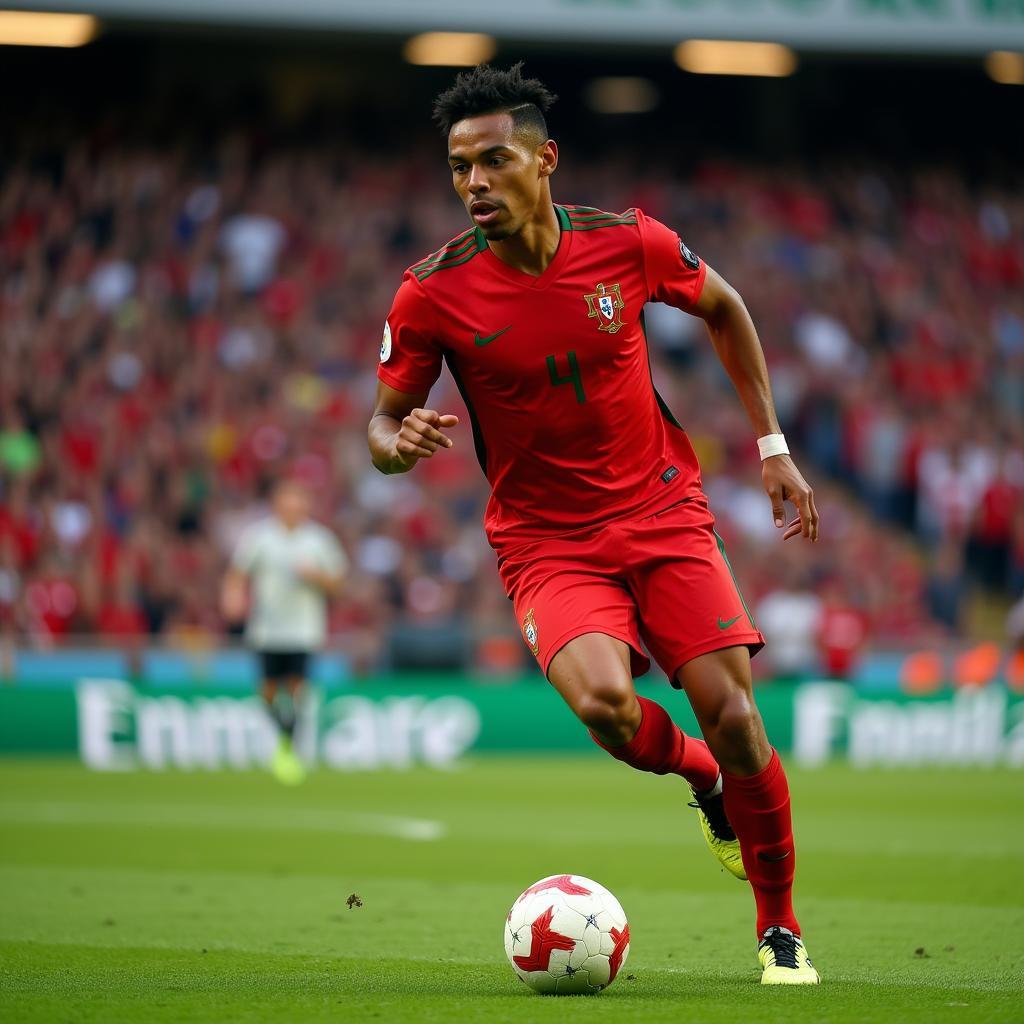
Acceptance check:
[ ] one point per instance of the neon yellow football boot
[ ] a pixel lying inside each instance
(718, 833)
(784, 959)
(285, 764)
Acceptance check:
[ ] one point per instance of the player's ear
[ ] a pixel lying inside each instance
(548, 155)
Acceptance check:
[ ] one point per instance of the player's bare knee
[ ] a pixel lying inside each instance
(736, 735)
(610, 709)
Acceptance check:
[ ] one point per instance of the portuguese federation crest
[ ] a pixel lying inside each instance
(530, 633)
(606, 305)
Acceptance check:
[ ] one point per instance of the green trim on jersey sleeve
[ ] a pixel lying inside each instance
(617, 223)
(465, 252)
(579, 216)
(469, 244)
(588, 218)
(446, 253)
(456, 243)
(446, 265)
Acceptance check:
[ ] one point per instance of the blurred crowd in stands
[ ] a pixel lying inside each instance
(180, 328)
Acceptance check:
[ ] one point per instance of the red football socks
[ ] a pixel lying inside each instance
(758, 810)
(660, 746)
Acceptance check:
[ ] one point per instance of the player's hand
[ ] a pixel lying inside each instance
(421, 435)
(783, 482)
(310, 575)
(233, 602)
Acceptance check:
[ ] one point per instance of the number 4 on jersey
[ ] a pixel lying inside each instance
(573, 376)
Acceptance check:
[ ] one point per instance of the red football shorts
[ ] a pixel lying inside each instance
(662, 581)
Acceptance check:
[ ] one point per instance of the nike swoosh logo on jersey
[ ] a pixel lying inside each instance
(480, 341)
(725, 624)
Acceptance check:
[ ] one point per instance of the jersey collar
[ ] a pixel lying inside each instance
(551, 272)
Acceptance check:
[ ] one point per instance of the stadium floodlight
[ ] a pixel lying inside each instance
(622, 95)
(730, 57)
(450, 49)
(1005, 67)
(38, 28)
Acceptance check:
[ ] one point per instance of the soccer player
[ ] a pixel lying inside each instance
(292, 565)
(603, 535)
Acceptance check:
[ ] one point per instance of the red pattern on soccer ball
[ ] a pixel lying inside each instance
(545, 942)
(615, 960)
(563, 883)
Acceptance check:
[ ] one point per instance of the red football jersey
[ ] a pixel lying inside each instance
(554, 369)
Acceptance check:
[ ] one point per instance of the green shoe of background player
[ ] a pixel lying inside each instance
(285, 764)
(718, 833)
(784, 959)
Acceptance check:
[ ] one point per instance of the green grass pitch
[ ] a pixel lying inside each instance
(192, 897)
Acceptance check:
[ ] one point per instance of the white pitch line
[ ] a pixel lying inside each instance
(221, 817)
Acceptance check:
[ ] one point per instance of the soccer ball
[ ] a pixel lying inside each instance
(566, 934)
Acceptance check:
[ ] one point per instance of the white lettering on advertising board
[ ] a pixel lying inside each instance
(120, 729)
(973, 727)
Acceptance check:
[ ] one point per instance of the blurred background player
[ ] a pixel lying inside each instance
(283, 572)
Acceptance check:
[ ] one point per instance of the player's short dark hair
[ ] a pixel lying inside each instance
(487, 90)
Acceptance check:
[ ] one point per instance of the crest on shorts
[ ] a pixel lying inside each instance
(530, 633)
(606, 305)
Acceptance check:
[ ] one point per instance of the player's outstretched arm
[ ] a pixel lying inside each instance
(402, 432)
(233, 596)
(328, 583)
(739, 350)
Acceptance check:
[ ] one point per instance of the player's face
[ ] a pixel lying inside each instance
(498, 175)
(291, 505)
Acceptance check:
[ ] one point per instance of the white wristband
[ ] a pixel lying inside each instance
(772, 444)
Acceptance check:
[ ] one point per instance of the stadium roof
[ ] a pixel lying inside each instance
(894, 26)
